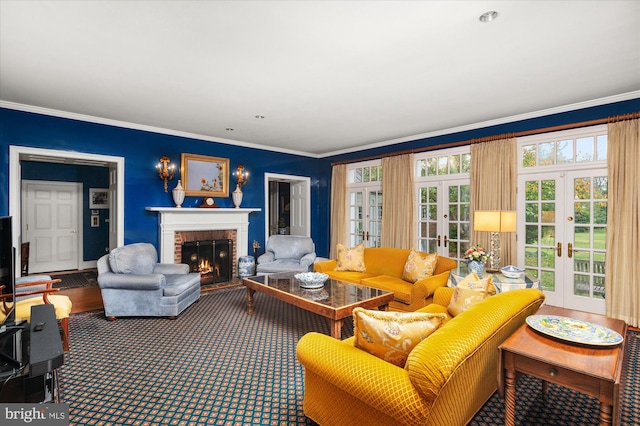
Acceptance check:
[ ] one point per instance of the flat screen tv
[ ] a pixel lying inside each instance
(7, 271)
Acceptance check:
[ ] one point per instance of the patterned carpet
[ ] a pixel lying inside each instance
(217, 365)
(85, 278)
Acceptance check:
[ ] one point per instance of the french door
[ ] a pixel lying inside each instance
(365, 216)
(561, 238)
(444, 217)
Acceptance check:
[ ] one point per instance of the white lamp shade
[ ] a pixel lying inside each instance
(494, 221)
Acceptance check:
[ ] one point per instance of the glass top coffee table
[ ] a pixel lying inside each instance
(335, 300)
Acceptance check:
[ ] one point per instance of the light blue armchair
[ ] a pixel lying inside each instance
(287, 253)
(132, 283)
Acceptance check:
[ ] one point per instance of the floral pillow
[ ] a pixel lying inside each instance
(419, 266)
(351, 259)
(391, 336)
(470, 291)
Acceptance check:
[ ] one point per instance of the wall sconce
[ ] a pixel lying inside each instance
(494, 221)
(165, 171)
(241, 176)
(241, 179)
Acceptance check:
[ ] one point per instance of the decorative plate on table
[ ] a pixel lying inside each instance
(574, 330)
(511, 271)
(311, 279)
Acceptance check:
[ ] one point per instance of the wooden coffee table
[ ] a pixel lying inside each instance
(593, 370)
(335, 300)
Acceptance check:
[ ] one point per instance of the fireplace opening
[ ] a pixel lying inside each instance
(212, 258)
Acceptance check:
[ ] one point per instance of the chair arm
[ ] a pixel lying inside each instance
(266, 257)
(44, 293)
(131, 282)
(366, 377)
(307, 259)
(424, 288)
(171, 268)
(325, 266)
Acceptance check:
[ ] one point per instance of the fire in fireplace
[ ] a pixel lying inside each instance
(213, 259)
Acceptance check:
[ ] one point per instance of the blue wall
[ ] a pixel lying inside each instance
(142, 150)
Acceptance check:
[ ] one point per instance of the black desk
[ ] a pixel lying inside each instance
(36, 349)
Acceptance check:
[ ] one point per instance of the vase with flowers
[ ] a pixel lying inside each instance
(476, 257)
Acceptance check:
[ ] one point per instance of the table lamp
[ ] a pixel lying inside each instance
(494, 221)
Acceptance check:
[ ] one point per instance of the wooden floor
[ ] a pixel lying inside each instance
(84, 299)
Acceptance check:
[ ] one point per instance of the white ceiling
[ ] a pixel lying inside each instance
(328, 76)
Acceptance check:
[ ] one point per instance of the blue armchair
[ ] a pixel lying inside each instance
(132, 283)
(287, 253)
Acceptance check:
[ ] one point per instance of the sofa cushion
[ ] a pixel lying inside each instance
(138, 258)
(349, 276)
(401, 289)
(419, 265)
(351, 259)
(392, 335)
(470, 291)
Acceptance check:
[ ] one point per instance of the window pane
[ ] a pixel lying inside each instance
(584, 149)
(565, 152)
(454, 164)
(548, 190)
(358, 175)
(548, 236)
(600, 213)
(531, 234)
(600, 189)
(421, 167)
(582, 212)
(453, 212)
(582, 188)
(432, 167)
(453, 194)
(600, 239)
(366, 174)
(466, 163)
(581, 238)
(529, 156)
(546, 153)
(465, 193)
(601, 148)
(531, 214)
(531, 190)
(531, 256)
(548, 212)
(442, 165)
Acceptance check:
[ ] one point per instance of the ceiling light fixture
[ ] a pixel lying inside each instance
(229, 129)
(259, 117)
(488, 16)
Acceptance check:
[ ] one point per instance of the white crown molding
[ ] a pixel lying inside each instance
(143, 127)
(473, 126)
(498, 121)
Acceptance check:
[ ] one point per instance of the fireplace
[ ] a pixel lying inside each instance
(212, 258)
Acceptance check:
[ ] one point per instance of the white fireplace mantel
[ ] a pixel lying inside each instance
(173, 219)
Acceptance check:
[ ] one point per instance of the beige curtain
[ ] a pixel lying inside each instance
(493, 187)
(398, 202)
(623, 222)
(339, 219)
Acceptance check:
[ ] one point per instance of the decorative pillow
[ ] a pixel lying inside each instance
(419, 266)
(391, 336)
(470, 291)
(351, 259)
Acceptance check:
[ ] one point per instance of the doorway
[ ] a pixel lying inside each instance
(116, 187)
(288, 198)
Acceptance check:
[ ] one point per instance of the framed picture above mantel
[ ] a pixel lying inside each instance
(204, 176)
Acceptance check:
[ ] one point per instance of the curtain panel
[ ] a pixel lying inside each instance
(494, 167)
(398, 202)
(623, 222)
(339, 219)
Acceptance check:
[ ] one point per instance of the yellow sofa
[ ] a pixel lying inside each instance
(447, 378)
(384, 268)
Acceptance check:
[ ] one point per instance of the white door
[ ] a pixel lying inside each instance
(299, 212)
(365, 217)
(561, 238)
(444, 218)
(51, 224)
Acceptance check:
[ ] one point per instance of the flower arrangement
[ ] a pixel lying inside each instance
(476, 253)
